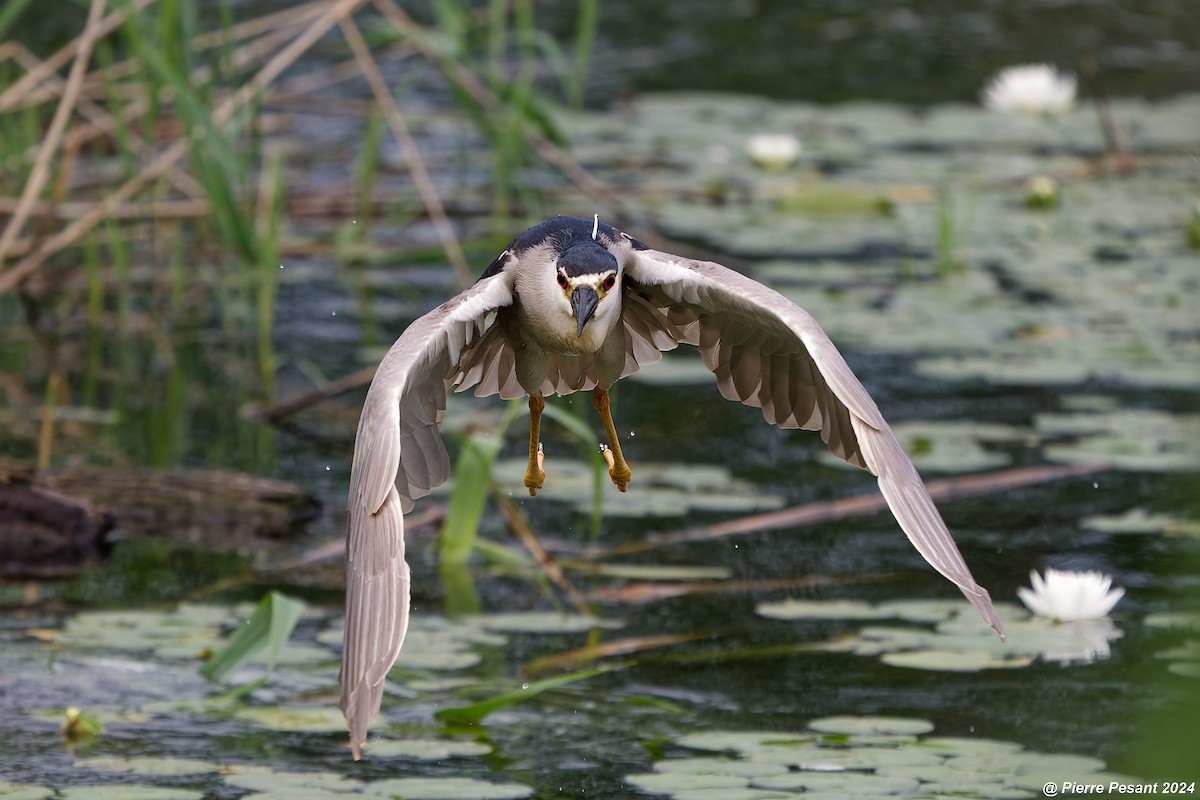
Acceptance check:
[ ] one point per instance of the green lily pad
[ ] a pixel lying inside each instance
(869, 726)
(664, 489)
(265, 779)
(147, 765)
(848, 783)
(309, 719)
(954, 661)
(127, 792)
(1139, 520)
(718, 766)
(544, 622)
(744, 741)
(1186, 620)
(820, 609)
(875, 757)
(1134, 439)
(425, 749)
(446, 789)
(186, 632)
(672, 782)
(24, 791)
(952, 446)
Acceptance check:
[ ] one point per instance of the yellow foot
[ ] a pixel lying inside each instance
(619, 472)
(535, 476)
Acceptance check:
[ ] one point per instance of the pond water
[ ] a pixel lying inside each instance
(818, 661)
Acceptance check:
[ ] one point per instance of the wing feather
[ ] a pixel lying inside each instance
(766, 351)
(399, 456)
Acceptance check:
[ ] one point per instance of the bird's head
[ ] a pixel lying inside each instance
(587, 275)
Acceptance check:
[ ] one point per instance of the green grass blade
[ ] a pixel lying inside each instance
(269, 627)
(475, 713)
(472, 480)
(9, 13)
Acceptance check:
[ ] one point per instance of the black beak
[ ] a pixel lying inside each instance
(585, 300)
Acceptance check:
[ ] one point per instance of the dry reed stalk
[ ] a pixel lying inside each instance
(416, 167)
(156, 209)
(941, 490)
(117, 198)
(520, 528)
(549, 152)
(25, 83)
(291, 17)
(41, 166)
(242, 57)
(300, 85)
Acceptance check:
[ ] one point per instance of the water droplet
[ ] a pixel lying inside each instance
(327, 468)
(524, 685)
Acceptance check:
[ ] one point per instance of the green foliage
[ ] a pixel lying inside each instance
(953, 231)
(472, 482)
(146, 571)
(267, 629)
(475, 713)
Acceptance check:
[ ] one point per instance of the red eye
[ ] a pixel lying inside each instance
(609, 283)
(562, 280)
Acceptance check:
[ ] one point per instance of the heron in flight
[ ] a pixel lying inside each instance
(571, 305)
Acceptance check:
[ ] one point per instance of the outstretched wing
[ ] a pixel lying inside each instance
(769, 353)
(399, 456)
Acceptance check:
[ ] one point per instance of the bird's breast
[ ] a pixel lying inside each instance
(557, 332)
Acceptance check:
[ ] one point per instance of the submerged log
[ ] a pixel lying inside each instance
(44, 534)
(52, 523)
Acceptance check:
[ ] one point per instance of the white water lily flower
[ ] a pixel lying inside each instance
(1068, 596)
(1030, 89)
(773, 150)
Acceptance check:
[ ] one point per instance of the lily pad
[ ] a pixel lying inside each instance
(265, 779)
(673, 782)
(24, 791)
(876, 757)
(664, 490)
(848, 783)
(425, 749)
(1139, 520)
(871, 726)
(545, 622)
(310, 719)
(954, 661)
(147, 765)
(952, 446)
(1134, 439)
(446, 789)
(127, 792)
(958, 642)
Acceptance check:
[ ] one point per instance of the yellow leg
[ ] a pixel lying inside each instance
(618, 470)
(535, 476)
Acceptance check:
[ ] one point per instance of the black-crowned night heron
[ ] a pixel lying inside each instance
(575, 304)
